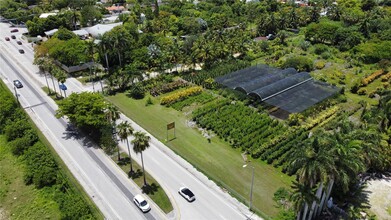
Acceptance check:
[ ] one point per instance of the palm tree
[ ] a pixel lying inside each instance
(313, 164)
(125, 129)
(140, 144)
(49, 67)
(40, 61)
(112, 114)
(302, 195)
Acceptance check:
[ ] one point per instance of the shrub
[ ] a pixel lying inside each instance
(41, 166)
(16, 129)
(168, 87)
(300, 63)
(177, 96)
(320, 48)
(371, 77)
(304, 45)
(19, 145)
(136, 91)
(320, 64)
(326, 55)
(148, 101)
(354, 88)
(362, 92)
(386, 77)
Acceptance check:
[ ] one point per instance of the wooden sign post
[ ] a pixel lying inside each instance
(169, 127)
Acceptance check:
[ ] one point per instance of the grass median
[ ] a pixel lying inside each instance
(219, 161)
(153, 190)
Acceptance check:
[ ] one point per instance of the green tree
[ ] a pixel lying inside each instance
(112, 115)
(85, 110)
(140, 144)
(90, 15)
(125, 129)
(40, 61)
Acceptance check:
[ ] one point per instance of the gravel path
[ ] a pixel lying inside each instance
(380, 197)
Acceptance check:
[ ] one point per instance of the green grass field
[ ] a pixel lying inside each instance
(217, 159)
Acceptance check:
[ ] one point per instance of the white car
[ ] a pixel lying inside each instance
(141, 203)
(187, 194)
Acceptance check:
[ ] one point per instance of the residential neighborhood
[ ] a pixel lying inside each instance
(170, 109)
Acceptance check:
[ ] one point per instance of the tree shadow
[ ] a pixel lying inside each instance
(124, 161)
(135, 174)
(150, 189)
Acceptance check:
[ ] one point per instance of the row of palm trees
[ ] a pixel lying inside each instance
(124, 130)
(47, 67)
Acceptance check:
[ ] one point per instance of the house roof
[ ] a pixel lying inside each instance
(80, 32)
(45, 15)
(99, 29)
(115, 8)
(51, 32)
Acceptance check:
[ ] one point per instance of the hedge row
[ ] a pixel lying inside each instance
(386, 77)
(202, 98)
(370, 78)
(180, 95)
(168, 87)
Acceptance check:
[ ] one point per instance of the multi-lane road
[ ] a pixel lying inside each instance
(109, 187)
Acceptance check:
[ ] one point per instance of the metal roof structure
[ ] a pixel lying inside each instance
(283, 88)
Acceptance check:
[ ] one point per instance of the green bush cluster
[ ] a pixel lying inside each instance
(42, 169)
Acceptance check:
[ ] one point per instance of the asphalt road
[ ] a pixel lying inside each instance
(170, 170)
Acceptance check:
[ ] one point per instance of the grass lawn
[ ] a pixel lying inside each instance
(18, 201)
(153, 190)
(217, 159)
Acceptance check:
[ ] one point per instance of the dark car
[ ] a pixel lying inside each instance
(21, 51)
(19, 42)
(187, 194)
(7, 38)
(18, 84)
(13, 37)
(14, 30)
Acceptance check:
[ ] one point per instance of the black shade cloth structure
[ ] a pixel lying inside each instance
(284, 88)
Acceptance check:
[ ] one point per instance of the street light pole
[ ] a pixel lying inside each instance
(16, 94)
(251, 188)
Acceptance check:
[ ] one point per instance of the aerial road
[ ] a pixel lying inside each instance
(103, 181)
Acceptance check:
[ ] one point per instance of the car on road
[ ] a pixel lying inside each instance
(14, 30)
(141, 203)
(13, 37)
(19, 42)
(21, 51)
(18, 84)
(7, 38)
(187, 194)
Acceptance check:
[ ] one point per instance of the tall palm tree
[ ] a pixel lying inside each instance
(302, 195)
(112, 114)
(125, 129)
(313, 164)
(40, 61)
(140, 144)
(49, 67)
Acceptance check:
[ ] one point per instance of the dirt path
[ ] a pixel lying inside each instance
(380, 197)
